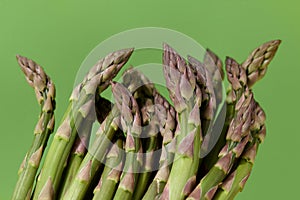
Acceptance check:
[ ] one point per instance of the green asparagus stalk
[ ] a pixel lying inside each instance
(77, 155)
(213, 74)
(237, 137)
(147, 167)
(45, 94)
(162, 115)
(238, 85)
(111, 174)
(236, 181)
(215, 67)
(143, 91)
(166, 115)
(82, 98)
(131, 126)
(186, 96)
(93, 160)
(81, 144)
(204, 79)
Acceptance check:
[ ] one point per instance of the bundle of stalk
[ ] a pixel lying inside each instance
(147, 147)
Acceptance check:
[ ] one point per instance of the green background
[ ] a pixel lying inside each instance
(60, 34)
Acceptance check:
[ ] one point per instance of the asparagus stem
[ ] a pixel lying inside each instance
(215, 67)
(131, 126)
(45, 94)
(81, 144)
(97, 80)
(237, 138)
(209, 76)
(162, 115)
(143, 91)
(204, 81)
(111, 174)
(237, 179)
(75, 160)
(186, 96)
(208, 184)
(92, 161)
(238, 79)
(166, 115)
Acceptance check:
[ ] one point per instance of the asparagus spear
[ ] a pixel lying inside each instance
(236, 181)
(163, 116)
(92, 161)
(81, 102)
(81, 144)
(205, 83)
(111, 175)
(131, 126)
(143, 91)
(238, 84)
(237, 137)
(166, 115)
(77, 155)
(186, 96)
(204, 73)
(45, 94)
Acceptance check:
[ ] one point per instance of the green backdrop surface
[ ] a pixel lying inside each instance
(60, 34)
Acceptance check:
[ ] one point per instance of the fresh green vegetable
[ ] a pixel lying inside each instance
(148, 147)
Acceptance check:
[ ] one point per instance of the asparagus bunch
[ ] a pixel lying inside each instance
(147, 147)
(45, 94)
